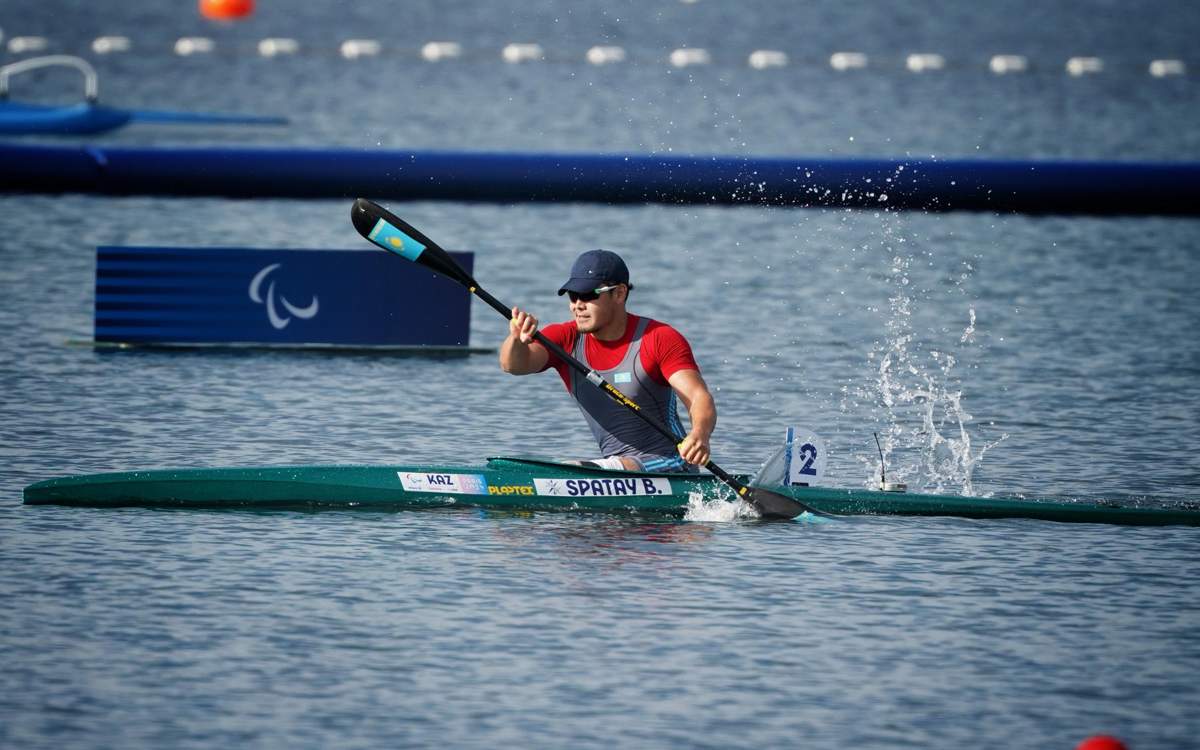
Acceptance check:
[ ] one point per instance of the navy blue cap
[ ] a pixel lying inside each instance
(594, 269)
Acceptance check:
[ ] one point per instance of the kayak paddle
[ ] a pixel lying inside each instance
(393, 234)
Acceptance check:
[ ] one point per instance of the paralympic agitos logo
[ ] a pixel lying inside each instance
(278, 320)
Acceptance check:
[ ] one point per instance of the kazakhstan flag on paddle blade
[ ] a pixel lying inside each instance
(393, 240)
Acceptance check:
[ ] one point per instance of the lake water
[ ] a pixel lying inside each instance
(994, 355)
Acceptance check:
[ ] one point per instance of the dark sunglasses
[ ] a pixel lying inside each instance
(591, 296)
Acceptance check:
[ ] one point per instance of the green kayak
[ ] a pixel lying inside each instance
(528, 484)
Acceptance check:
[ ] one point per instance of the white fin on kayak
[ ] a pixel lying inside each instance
(804, 458)
(800, 461)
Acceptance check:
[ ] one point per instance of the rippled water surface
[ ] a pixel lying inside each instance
(996, 355)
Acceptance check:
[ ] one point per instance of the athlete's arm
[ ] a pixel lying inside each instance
(693, 391)
(520, 354)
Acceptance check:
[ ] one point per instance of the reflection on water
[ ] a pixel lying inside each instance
(615, 540)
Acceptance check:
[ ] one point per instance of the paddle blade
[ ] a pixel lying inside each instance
(397, 236)
(774, 506)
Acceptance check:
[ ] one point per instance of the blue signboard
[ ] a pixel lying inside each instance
(347, 298)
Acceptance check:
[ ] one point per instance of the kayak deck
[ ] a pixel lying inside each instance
(525, 484)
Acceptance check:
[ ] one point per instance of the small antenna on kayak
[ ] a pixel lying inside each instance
(882, 468)
(884, 484)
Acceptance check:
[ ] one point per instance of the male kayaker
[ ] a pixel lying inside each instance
(648, 361)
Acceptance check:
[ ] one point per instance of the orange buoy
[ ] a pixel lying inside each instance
(226, 10)
(1101, 742)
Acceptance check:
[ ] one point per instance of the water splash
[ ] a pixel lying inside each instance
(925, 440)
(723, 506)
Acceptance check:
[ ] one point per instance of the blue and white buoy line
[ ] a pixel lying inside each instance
(1024, 186)
(518, 52)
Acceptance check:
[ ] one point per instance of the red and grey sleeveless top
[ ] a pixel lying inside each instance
(620, 432)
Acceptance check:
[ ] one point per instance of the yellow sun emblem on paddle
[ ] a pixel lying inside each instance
(396, 242)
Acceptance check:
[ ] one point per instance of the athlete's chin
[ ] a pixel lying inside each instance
(585, 325)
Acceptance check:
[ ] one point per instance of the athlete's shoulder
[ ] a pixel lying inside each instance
(662, 331)
(665, 351)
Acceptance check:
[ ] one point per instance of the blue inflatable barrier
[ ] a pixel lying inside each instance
(182, 296)
(933, 185)
(88, 118)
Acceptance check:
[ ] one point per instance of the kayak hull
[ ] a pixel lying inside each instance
(501, 484)
(525, 484)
